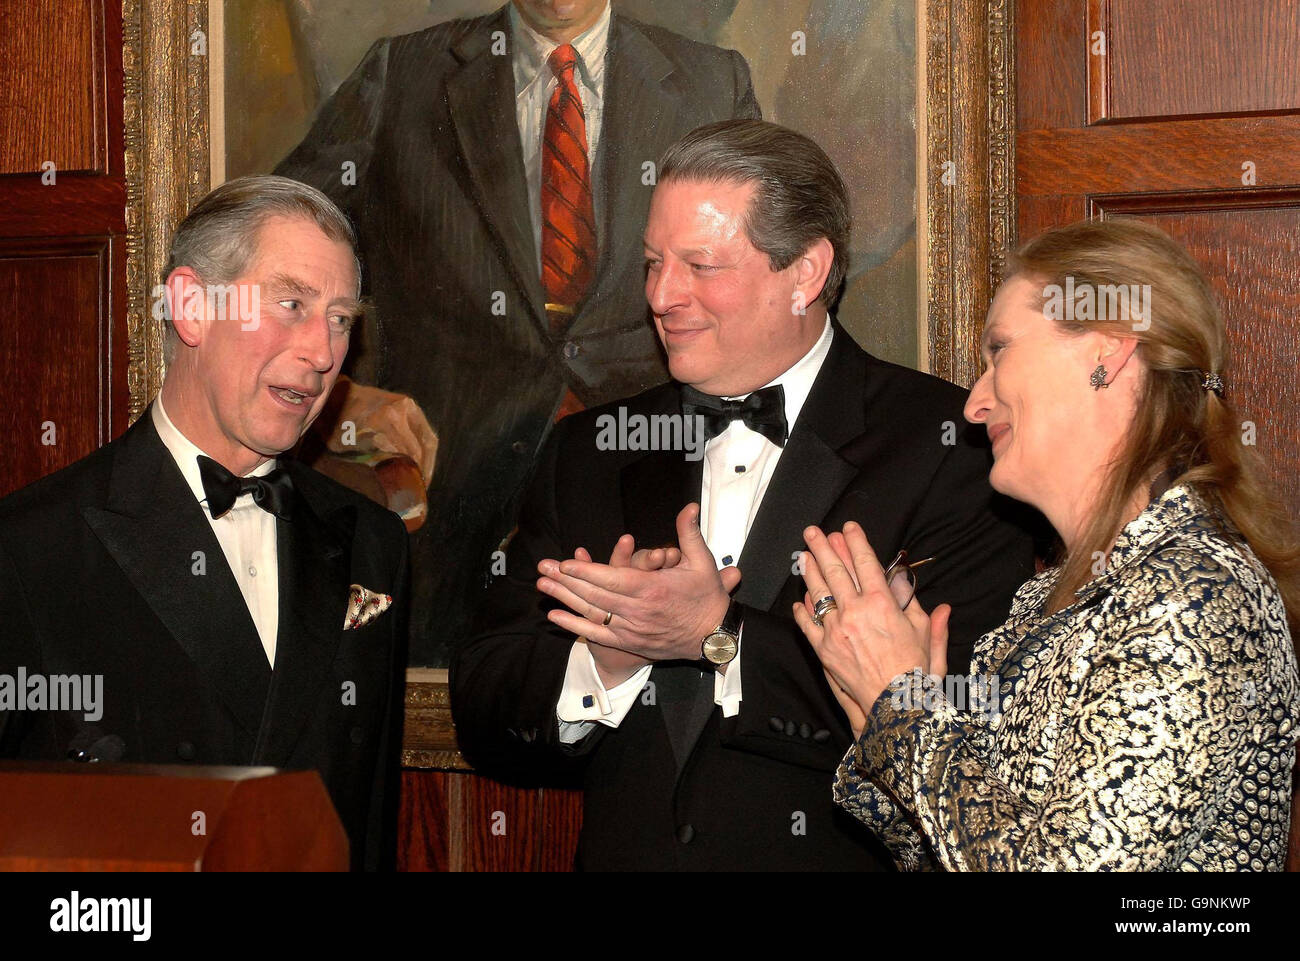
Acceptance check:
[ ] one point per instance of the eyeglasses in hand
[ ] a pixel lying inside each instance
(901, 579)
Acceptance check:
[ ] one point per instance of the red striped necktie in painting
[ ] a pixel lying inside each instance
(568, 220)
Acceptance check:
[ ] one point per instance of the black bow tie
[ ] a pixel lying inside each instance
(763, 412)
(273, 493)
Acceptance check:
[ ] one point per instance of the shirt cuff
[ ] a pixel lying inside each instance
(584, 702)
(726, 687)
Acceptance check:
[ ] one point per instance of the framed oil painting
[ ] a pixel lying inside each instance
(407, 113)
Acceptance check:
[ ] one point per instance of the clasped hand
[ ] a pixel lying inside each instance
(661, 603)
(866, 640)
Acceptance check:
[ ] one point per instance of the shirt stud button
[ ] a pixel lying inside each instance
(252, 571)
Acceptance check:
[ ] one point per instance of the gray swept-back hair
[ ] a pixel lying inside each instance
(218, 237)
(799, 196)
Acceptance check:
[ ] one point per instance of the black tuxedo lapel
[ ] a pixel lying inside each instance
(637, 101)
(481, 98)
(152, 525)
(314, 582)
(655, 489)
(809, 477)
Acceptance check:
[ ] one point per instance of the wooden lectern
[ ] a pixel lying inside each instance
(66, 816)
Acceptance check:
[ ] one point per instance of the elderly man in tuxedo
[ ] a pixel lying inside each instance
(241, 608)
(499, 170)
(674, 678)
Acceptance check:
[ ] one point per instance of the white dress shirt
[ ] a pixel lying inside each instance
(534, 84)
(729, 501)
(246, 534)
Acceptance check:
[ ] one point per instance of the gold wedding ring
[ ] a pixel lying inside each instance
(608, 617)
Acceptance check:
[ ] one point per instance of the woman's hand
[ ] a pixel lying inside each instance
(866, 641)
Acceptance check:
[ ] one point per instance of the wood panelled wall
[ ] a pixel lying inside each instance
(453, 819)
(460, 821)
(1186, 114)
(63, 351)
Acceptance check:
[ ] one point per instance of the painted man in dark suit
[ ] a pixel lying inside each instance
(499, 170)
(241, 610)
(698, 716)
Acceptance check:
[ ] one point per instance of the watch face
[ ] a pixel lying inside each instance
(719, 648)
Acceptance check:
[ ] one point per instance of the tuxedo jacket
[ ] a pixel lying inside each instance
(440, 202)
(675, 785)
(111, 567)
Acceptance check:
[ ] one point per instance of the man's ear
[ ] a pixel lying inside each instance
(186, 305)
(811, 271)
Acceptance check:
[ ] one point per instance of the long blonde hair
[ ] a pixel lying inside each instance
(1179, 427)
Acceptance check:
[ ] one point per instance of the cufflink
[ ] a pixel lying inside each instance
(588, 700)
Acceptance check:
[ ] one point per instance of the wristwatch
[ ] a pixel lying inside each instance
(721, 645)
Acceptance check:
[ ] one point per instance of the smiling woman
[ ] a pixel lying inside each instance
(1175, 421)
(1149, 695)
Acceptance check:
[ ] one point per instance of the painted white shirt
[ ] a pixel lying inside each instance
(534, 84)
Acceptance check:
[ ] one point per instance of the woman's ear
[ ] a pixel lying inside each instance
(1109, 350)
(1115, 352)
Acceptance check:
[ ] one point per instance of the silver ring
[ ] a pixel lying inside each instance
(608, 617)
(823, 607)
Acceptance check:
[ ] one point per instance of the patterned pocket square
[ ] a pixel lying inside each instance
(364, 606)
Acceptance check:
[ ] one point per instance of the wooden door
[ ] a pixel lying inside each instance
(63, 353)
(1184, 113)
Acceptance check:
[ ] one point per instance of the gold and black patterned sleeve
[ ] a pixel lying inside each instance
(1161, 729)
(891, 823)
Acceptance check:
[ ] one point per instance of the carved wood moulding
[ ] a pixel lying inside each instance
(969, 176)
(164, 59)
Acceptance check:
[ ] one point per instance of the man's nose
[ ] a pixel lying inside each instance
(667, 288)
(980, 400)
(314, 346)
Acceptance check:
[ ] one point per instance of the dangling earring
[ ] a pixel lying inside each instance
(1098, 378)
